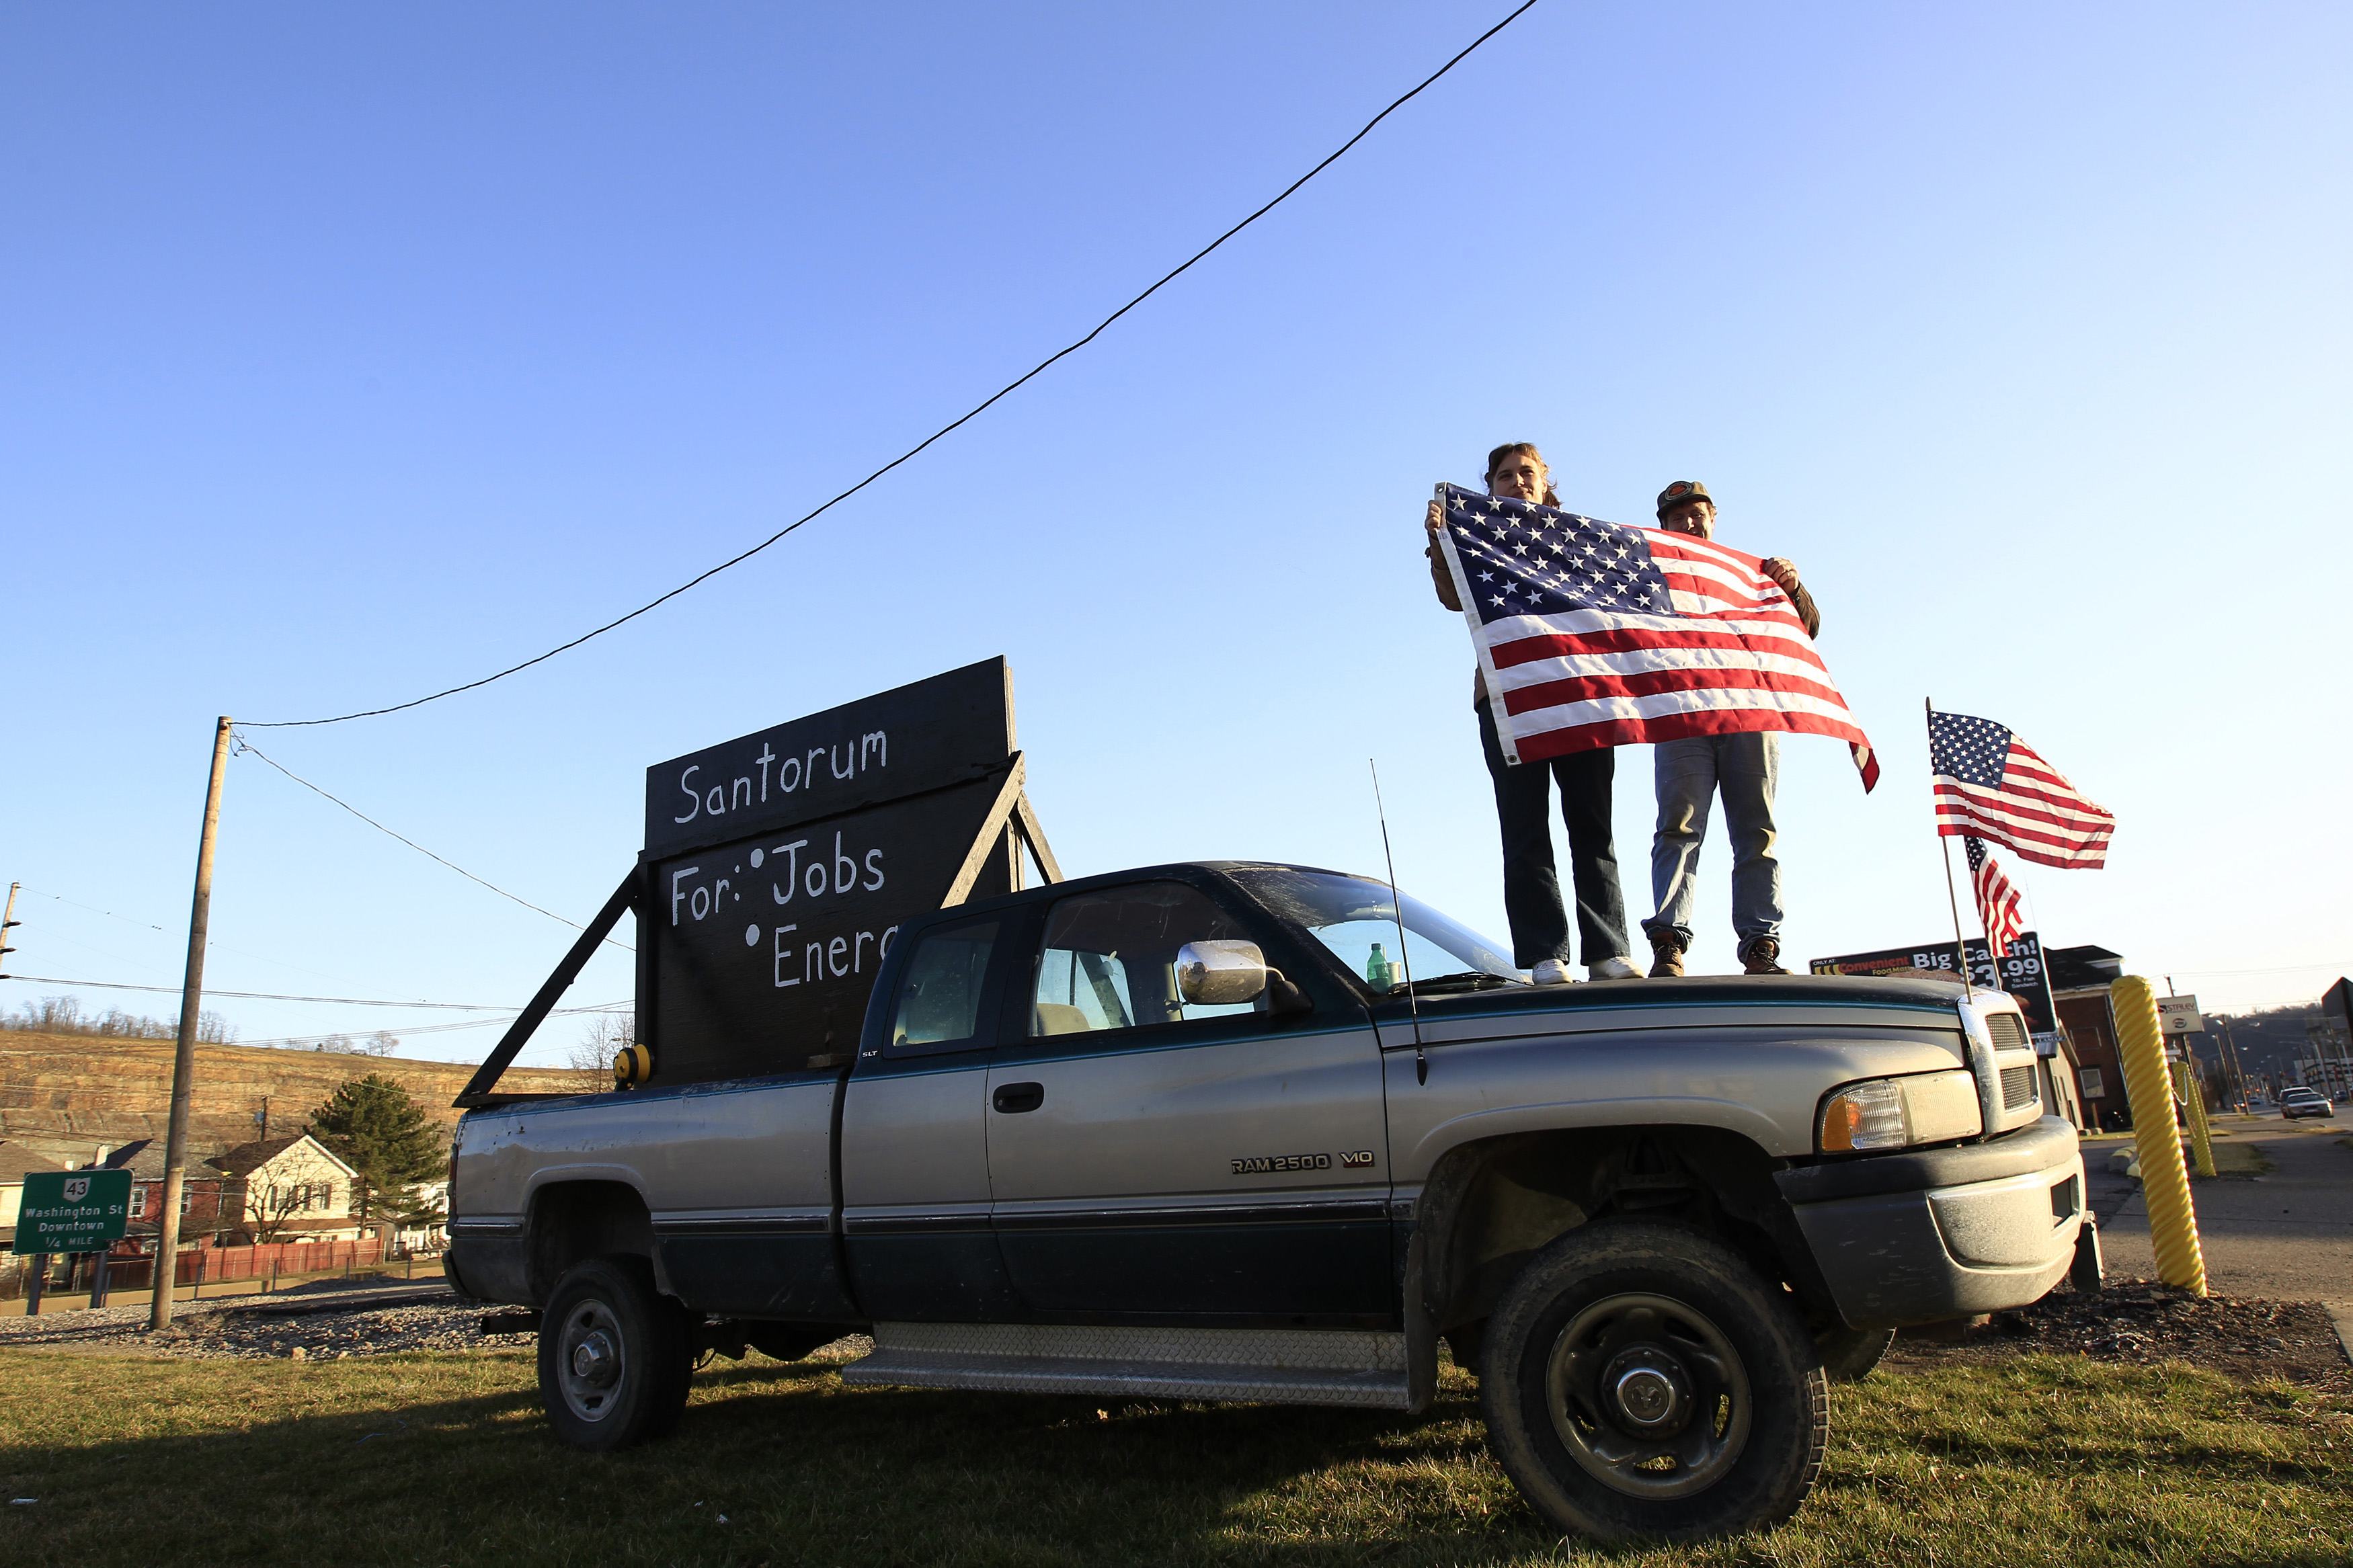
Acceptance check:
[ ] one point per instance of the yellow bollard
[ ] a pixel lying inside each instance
(2164, 1180)
(2201, 1138)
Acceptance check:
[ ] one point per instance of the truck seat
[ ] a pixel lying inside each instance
(1060, 1018)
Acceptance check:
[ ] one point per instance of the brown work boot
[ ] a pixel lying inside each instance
(1761, 956)
(1666, 954)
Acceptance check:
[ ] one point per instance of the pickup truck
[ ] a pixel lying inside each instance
(1157, 1134)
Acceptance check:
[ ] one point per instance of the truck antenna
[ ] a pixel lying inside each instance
(1397, 911)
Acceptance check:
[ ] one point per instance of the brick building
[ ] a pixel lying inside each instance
(2080, 977)
(200, 1195)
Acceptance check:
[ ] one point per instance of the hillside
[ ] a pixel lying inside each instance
(63, 1095)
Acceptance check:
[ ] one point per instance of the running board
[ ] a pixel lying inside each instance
(1281, 1366)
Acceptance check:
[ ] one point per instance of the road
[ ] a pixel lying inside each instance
(2285, 1235)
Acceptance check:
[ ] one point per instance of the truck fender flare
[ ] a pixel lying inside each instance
(1441, 1142)
(546, 1182)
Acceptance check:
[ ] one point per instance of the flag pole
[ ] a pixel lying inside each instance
(1960, 943)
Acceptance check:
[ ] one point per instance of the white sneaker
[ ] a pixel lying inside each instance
(1614, 969)
(1551, 971)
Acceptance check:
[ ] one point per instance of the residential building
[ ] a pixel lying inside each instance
(17, 1163)
(432, 1197)
(201, 1221)
(2080, 977)
(286, 1189)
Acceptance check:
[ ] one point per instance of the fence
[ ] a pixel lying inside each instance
(202, 1266)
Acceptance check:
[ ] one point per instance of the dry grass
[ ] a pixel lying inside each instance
(444, 1459)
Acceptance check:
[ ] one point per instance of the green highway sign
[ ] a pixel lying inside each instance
(72, 1211)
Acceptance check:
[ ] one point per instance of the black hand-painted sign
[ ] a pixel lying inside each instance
(2022, 972)
(951, 729)
(779, 866)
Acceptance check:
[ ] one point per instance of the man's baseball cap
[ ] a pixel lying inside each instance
(1682, 491)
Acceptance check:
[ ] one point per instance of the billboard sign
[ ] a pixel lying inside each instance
(2022, 973)
(2180, 1015)
(72, 1211)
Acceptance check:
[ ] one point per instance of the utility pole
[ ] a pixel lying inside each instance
(183, 1058)
(8, 923)
(2237, 1063)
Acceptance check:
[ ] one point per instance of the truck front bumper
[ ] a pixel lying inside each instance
(1943, 1233)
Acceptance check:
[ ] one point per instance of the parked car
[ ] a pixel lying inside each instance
(2295, 1102)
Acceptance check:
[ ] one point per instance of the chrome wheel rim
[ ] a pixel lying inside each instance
(1648, 1396)
(590, 1360)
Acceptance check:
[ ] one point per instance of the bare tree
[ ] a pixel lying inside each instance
(603, 1040)
(270, 1210)
(63, 1016)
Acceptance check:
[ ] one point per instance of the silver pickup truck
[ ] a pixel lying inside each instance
(1157, 1134)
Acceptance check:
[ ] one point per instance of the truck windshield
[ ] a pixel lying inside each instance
(1352, 915)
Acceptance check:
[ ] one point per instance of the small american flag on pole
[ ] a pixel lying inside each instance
(1594, 634)
(1997, 900)
(1989, 783)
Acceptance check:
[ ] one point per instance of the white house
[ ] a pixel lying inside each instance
(286, 1189)
(15, 1162)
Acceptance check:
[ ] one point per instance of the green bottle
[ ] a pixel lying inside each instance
(1378, 973)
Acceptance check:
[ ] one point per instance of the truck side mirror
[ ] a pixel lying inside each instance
(1220, 974)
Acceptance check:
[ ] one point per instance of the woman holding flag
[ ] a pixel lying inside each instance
(1532, 900)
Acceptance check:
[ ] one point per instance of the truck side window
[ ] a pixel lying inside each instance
(1109, 960)
(939, 999)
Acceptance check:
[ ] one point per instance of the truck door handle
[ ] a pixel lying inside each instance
(1014, 1097)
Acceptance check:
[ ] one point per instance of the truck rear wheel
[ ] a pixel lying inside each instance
(1642, 1381)
(615, 1355)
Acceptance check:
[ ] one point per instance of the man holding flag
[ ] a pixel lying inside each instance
(1744, 767)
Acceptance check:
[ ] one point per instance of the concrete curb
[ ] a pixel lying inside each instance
(2341, 1314)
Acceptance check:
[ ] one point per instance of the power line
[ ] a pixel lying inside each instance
(210, 945)
(273, 996)
(979, 409)
(607, 1007)
(93, 908)
(245, 745)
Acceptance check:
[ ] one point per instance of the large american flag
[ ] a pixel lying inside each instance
(1997, 900)
(1594, 634)
(1989, 783)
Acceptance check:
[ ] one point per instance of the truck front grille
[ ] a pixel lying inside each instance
(2008, 1029)
(2018, 1088)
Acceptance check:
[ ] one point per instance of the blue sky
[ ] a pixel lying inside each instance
(355, 354)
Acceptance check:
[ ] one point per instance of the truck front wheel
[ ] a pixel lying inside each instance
(1642, 1381)
(1849, 1354)
(615, 1355)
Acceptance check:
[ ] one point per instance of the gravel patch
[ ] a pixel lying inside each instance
(278, 1327)
(329, 1326)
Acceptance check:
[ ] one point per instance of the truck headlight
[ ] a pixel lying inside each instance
(1897, 1112)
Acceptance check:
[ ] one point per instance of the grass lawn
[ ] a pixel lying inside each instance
(443, 1459)
(2237, 1159)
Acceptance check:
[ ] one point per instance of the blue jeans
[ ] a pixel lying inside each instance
(1744, 768)
(1531, 877)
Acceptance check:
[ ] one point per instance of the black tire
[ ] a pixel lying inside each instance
(1850, 1354)
(1615, 1322)
(615, 1355)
